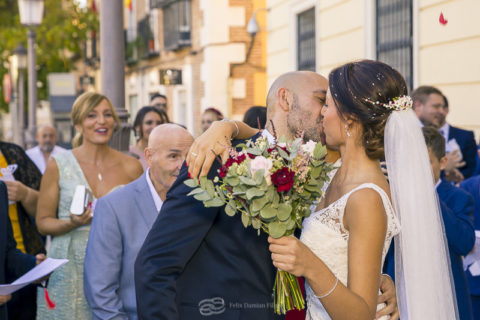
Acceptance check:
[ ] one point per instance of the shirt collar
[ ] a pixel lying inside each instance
(444, 130)
(156, 198)
(268, 135)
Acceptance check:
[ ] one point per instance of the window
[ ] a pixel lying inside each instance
(306, 40)
(176, 24)
(146, 36)
(394, 36)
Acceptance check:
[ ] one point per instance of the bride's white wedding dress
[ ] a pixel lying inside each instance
(324, 233)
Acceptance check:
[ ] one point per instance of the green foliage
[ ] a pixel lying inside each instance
(60, 39)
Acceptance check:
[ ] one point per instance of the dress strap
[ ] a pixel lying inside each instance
(392, 218)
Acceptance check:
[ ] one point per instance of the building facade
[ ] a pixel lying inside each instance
(322, 34)
(195, 53)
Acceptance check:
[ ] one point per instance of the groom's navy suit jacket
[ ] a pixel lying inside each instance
(199, 263)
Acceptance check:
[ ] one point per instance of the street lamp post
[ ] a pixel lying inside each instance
(31, 14)
(20, 62)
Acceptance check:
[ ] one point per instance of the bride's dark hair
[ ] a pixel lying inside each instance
(354, 82)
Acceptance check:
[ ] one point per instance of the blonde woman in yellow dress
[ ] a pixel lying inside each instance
(91, 163)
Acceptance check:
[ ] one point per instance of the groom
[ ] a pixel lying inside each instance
(198, 263)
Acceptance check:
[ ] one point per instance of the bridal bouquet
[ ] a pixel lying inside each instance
(272, 187)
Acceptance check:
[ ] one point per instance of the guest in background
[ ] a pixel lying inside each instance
(146, 119)
(457, 212)
(256, 117)
(472, 186)
(91, 163)
(22, 179)
(13, 262)
(122, 221)
(47, 140)
(159, 101)
(209, 116)
(432, 108)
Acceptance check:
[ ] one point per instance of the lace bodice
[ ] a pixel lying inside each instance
(324, 233)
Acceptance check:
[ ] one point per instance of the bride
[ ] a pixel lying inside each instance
(367, 116)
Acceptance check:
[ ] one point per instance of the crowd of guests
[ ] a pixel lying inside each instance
(127, 193)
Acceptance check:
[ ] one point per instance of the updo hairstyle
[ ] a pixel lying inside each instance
(376, 81)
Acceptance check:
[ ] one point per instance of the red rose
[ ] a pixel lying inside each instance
(229, 163)
(283, 179)
(251, 156)
(240, 158)
(269, 150)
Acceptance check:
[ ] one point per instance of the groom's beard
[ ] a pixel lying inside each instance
(299, 121)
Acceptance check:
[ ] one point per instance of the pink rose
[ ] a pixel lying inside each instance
(309, 147)
(259, 163)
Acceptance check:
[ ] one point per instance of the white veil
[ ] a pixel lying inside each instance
(425, 287)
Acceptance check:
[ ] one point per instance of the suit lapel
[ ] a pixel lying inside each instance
(144, 201)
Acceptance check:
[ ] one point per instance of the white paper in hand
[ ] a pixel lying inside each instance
(6, 174)
(40, 271)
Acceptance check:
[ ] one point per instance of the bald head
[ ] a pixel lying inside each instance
(165, 134)
(46, 138)
(293, 81)
(168, 145)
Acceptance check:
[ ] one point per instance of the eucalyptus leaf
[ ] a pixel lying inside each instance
(195, 191)
(258, 177)
(203, 181)
(320, 151)
(215, 202)
(210, 188)
(276, 199)
(256, 223)
(220, 193)
(283, 211)
(245, 219)
(254, 151)
(203, 196)
(276, 229)
(289, 224)
(247, 181)
(233, 181)
(254, 192)
(259, 203)
(268, 213)
(270, 193)
(192, 183)
(282, 153)
(230, 208)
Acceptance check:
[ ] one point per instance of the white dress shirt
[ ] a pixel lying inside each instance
(156, 198)
(37, 156)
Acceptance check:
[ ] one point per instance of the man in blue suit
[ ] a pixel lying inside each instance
(472, 186)
(457, 212)
(122, 221)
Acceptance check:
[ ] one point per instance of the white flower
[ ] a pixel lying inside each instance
(309, 147)
(282, 144)
(259, 163)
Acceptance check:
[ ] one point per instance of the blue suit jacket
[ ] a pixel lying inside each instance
(13, 263)
(466, 141)
(472, 185)
(199, 263)
(121, 222)
(457, 213)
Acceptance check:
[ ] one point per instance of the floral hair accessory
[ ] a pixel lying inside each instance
(398, 104)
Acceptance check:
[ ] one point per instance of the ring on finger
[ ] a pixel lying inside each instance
(194, 154)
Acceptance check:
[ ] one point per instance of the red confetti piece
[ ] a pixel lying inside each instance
(50, 303)
(442, 19)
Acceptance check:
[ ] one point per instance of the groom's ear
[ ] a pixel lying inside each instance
(284, 98)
